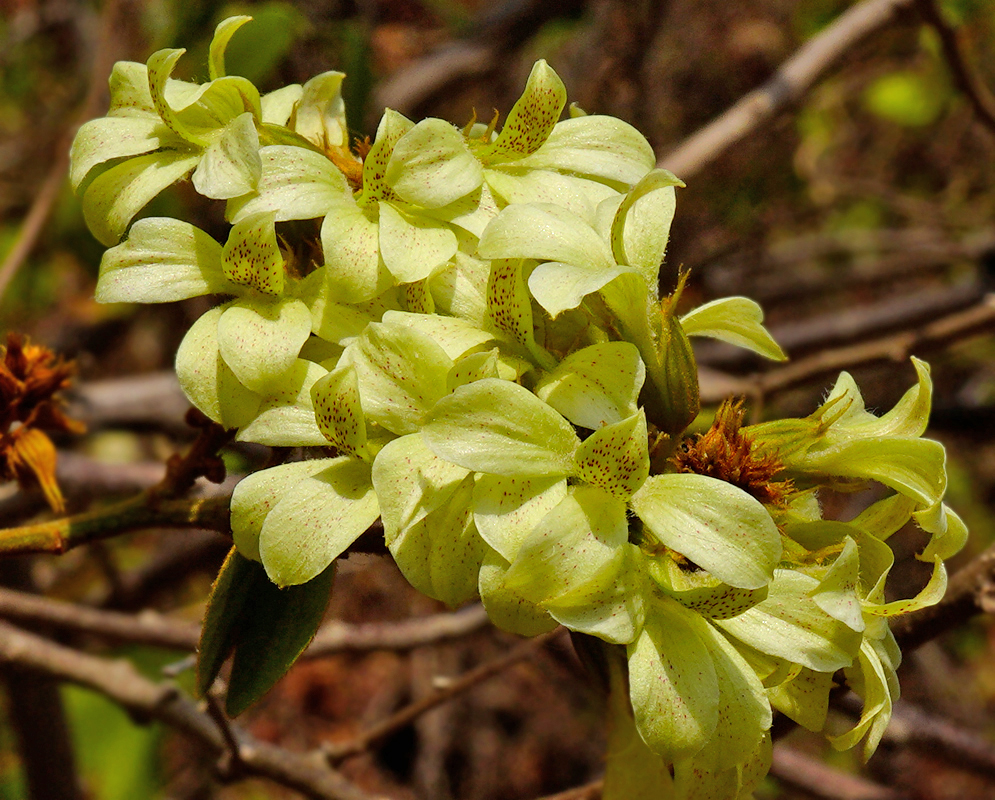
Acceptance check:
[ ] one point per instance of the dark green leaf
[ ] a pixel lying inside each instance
(274, 627)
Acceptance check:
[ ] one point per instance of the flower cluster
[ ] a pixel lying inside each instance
(466, 328)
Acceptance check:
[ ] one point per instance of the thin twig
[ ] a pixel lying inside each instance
(44, 202)
(815, 778)
(336, 752)
(966, 78)
(787, 86)
(158, 630)
(960, 325)
(121, 682)
(589, 791)
(971, 591)
(59, 535)
(338, 637)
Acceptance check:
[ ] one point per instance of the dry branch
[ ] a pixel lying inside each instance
(816, 779)
(158, 630)
(966, 78)
(337, 752)
(121, 682)
(795, 77)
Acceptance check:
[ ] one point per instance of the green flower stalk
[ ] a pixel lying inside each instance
(471, 346)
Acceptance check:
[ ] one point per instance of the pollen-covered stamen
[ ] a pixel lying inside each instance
(725, 452)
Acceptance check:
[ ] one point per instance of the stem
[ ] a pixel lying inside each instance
(143, 511)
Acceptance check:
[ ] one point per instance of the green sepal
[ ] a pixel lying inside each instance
(673, 402)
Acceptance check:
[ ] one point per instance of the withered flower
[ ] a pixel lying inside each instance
(725, 452)
(30, 378)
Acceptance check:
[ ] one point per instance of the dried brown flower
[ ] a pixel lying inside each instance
(30, 378)
(725, 452)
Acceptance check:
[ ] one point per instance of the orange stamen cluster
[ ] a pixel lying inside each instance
(725, 452)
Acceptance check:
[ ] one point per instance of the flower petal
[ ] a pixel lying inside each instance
(114, 197)
(411, 246)
(162, 260)
(500, 427)
(719, 527)
(261, 339)
(316, 520)
(595, 386)
(295, 183)
(230, 165)
(431, 165)
(736, 320)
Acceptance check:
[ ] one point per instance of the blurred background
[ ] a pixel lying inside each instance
(859, 216)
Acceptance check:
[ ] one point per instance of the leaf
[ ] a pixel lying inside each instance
(276, 627)
(225, 606)
(716, 525)
(736, 320)
(431, 165)
(500, 427)
(113, 198)
(316, 520)
(162, 260)
(596, 386)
